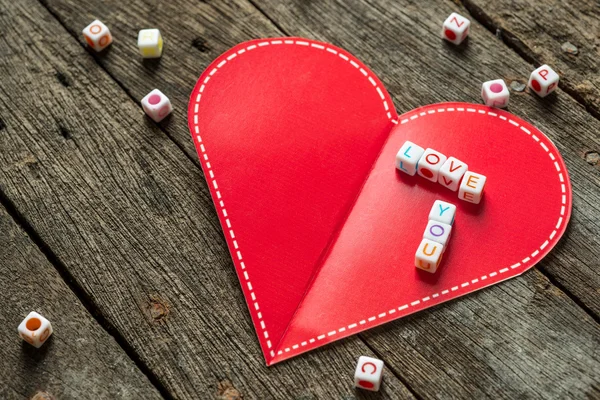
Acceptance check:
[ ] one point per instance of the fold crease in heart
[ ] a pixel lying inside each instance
(297, 140)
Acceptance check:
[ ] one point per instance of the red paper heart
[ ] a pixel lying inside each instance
(297, 141)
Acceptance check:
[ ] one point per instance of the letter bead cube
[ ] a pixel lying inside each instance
(438, 232)
(150, 43)
(429, 255)
(543, 81)
(430, 164)
(451, 173)
(368, 374)
(442, 212)
(495, 93)
(471, 187)
(408, 157)
(455, 28)
(35, 329)
(156, 105)
(97, 35)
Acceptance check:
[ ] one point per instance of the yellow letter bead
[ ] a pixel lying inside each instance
(150, 43)
(429, 255)
(35, 329)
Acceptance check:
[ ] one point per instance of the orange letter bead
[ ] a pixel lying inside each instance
(429, 255)
(471, 187)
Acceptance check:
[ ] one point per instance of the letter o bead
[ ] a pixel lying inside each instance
(35, 329)
(438, 232)
(97, 35)
(429, 255)
(430, 164)
(368, 373)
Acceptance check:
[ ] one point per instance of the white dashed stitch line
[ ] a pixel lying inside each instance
(404, 121)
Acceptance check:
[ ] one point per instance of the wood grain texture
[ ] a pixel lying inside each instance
(400, 42)
(129, 215)
(167, 219)
(80, 360)
(537, 30)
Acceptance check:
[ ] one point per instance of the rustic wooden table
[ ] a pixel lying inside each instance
(107, 227)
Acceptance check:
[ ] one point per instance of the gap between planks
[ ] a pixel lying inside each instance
(476, 14)
(80, 293)
(522, 50)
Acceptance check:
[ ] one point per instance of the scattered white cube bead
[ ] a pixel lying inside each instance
(430, 164)
(97, 35)
(35, 329)
(495, 93)
(368, 374)
(438, 232)
(429, 255)
(455, 28)
(471, 187)
(150, 43)
(442, 212)
(408, 157)
(156, 105)
(451, 173)
(543, 81)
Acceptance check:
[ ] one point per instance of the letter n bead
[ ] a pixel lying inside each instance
(455, 28)
(408, 158)
(429, 255)
(368, 373)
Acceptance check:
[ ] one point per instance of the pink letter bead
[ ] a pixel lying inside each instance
(156, 105)
(408, 157)
(456, 28)
(543, 81)
(471, 187)
(438, 232)
(368, 374)
(442, 212)
(35, 329)
(495, 93)
(430, 164)
(429, 255)
(451, 173)
(97, 35)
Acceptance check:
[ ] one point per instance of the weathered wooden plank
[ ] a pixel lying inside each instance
(400, 40)
(80, 360)
(541, 32)
(400, 44)
(507, 341)
(520, 339)
(129, 215)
